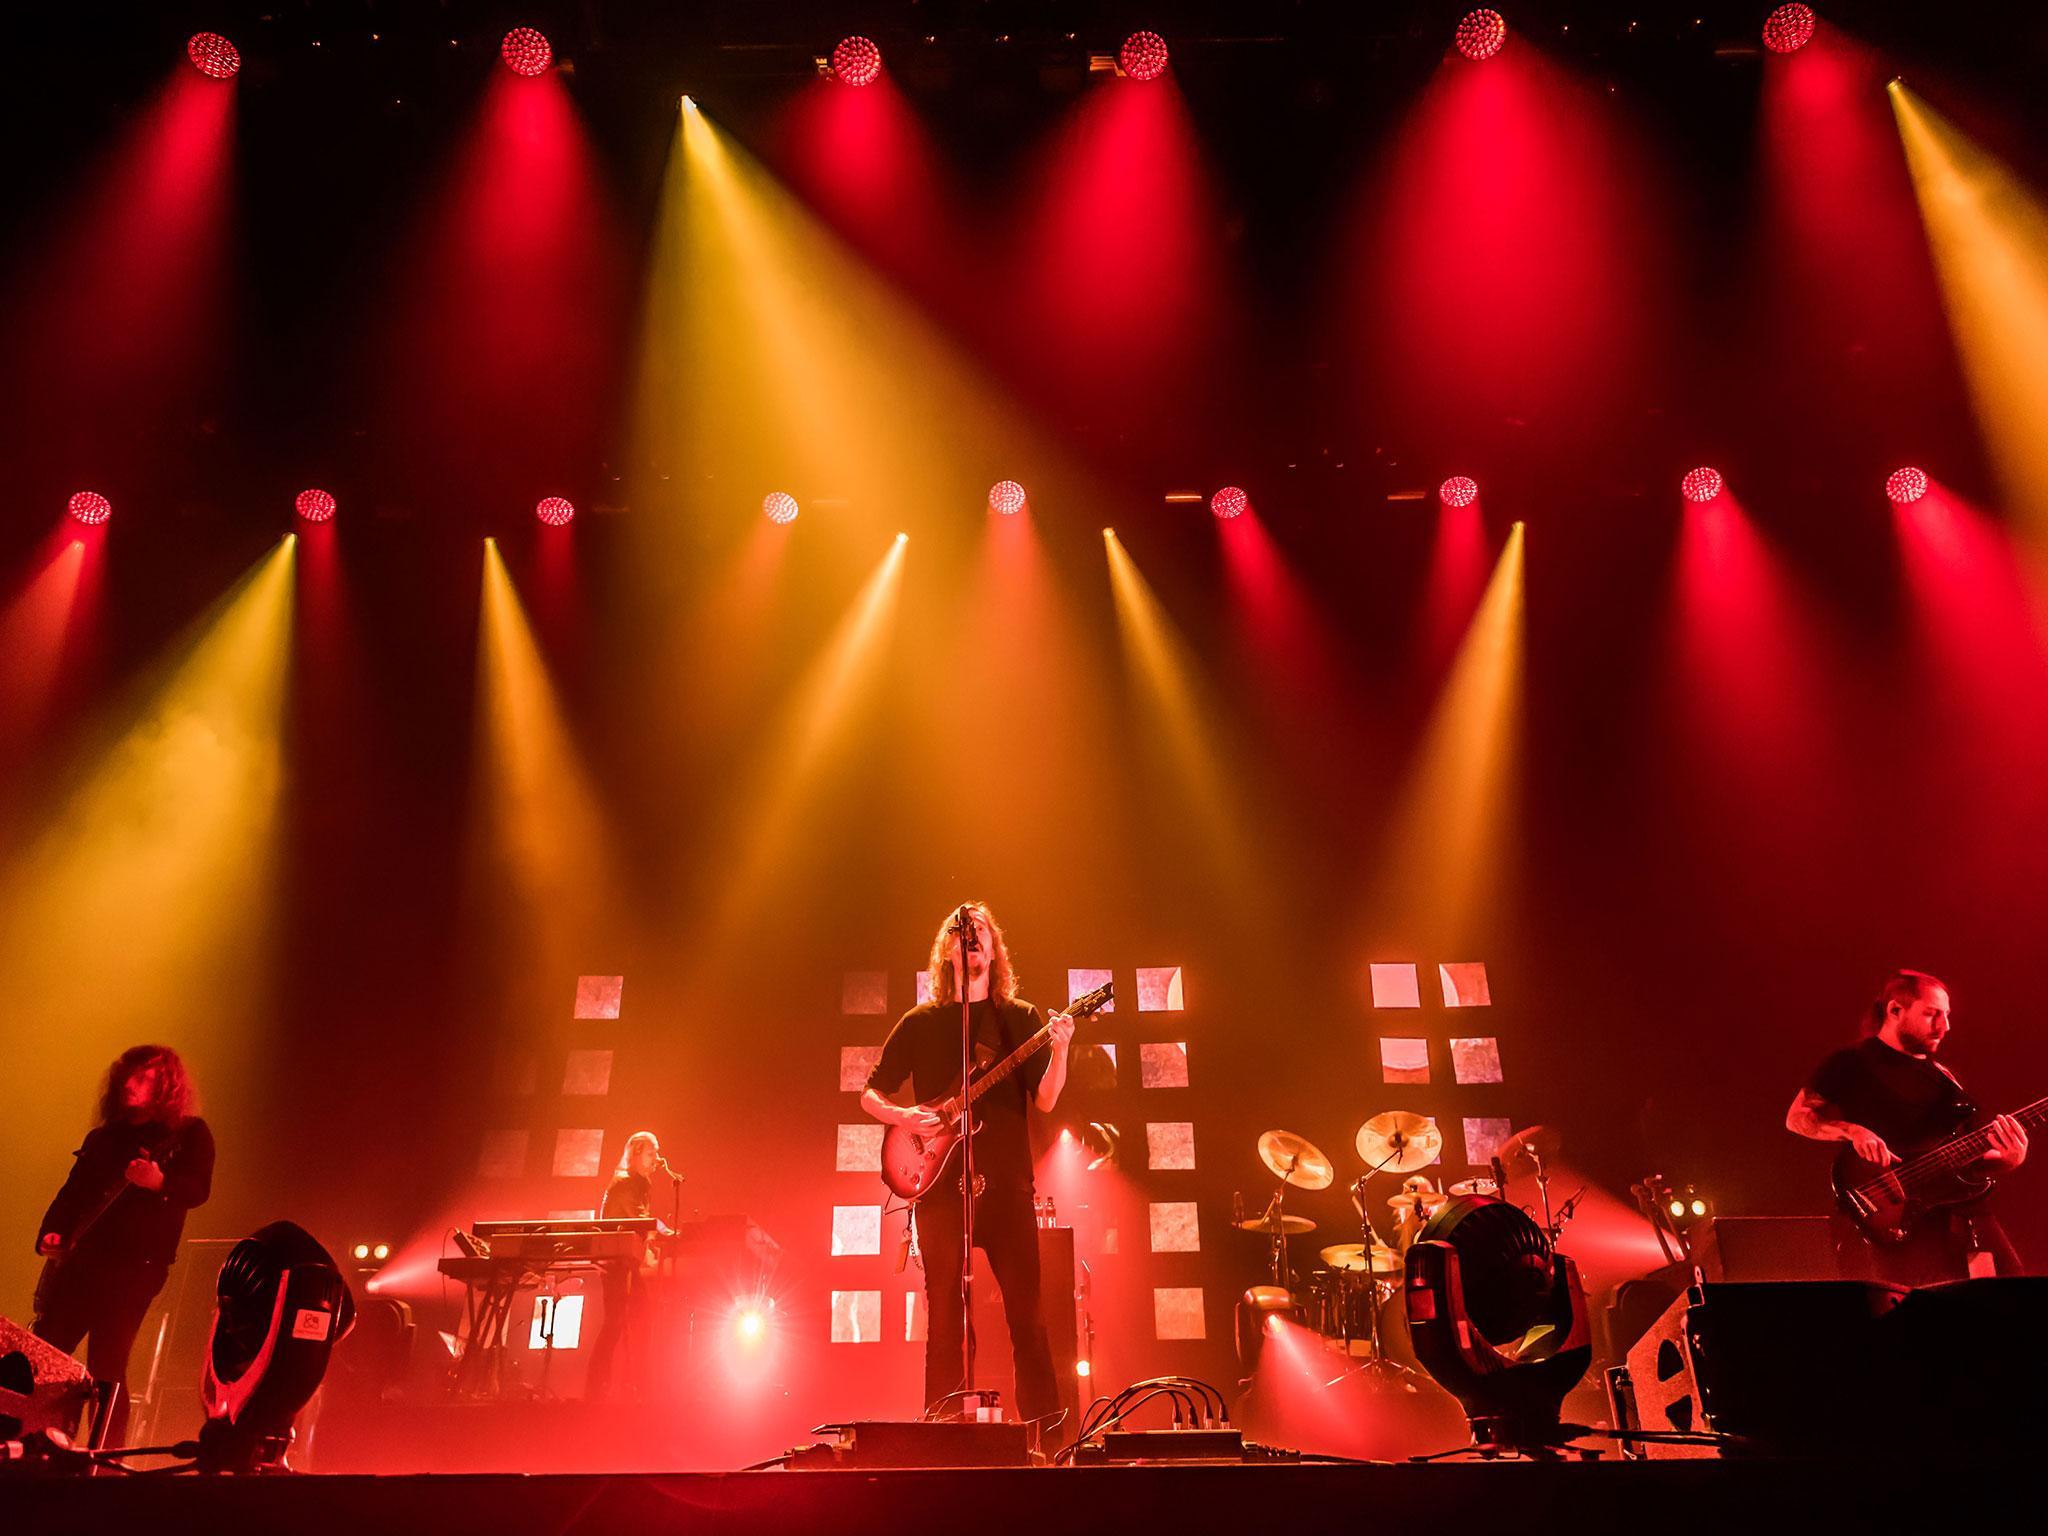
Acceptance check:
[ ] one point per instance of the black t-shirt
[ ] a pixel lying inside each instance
(140, 1225)
(1907, 1100)
(627, 1195)
(924, 1050)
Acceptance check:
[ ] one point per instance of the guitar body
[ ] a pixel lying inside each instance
(1888, 1210)
(914, 1161)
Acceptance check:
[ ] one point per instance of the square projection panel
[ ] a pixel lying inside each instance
(598, 997)
(1177, 1312)
(1170, 1144)
(855, 1063)
(1163, 1064)
(578, 1154)
(864, 992)
(587, 1072)
(1483, 1137)
(1476, 1060)
(1081, 981)
(1465, 985)
(1403, 1059)
(856, 1317)
(1175, 1227)
(856, 1229)
(1159, 989)
(1395, 986)
(860, 1149)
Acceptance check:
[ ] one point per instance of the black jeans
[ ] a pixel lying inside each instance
(103, 1303)
(1006, 1229)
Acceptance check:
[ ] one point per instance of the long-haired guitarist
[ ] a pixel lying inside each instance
(923, 1052)
(110, 1235)
(1889, 1099)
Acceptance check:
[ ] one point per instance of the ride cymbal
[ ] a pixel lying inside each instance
(1291, 1225)
(1296, 1159)
(1399, 1141)
(1352, 1257)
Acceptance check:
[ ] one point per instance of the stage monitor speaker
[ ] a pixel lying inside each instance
(1789, 1368)
(1970, 1361)
(1745, 1248)
(41, 1387)
(915, 1443)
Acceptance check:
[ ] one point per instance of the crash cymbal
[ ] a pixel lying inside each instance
(1291, 1225)
(1427, 1202)
(1474, 1187)
(1539, 1143)
(1399, 1142)
(1296, 1159)
(1351, 1256)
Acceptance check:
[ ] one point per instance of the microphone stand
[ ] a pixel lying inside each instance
(963, 935)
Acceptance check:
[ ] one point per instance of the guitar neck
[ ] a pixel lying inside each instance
(1078, 1009)
(1971, 1144)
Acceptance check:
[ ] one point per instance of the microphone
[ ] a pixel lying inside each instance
(1500, 1178)
(662, 1163)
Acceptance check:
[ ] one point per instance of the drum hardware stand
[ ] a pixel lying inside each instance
(1375, 1364)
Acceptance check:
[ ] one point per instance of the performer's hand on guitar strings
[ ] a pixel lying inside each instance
(918, 1118)
(1061, 1027)
(1870, 1147)
(2008, 1142)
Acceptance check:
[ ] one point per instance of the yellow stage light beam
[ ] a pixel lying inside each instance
(810, 725)
(1168, 678)
(539, 826)
(1446, 838)
(140, 909)
(1989, 236)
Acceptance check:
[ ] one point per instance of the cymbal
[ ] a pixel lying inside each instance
(1428, 1202)
(1291, 1225)
(1351, 1256)
(1296, 1159)
(1474, 1187)
(1537, 1142)
(1399, 1142)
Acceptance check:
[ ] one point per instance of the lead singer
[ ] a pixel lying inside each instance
(924, 1051)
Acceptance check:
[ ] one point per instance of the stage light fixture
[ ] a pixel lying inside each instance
(779, 507)
(1083, 1369)
(89, 507)
(555, 511)
(1905, 486)
(750, 1324)
(213, 55)
(1230, 502)
(1789, 28)
(527, 51)
(1481, 33)
(315, 506)
(857, 61)
(1701, 485)
(1006, 497)
(1458, 491)
(280, 1307)
(1143, 56)
(361, 1250)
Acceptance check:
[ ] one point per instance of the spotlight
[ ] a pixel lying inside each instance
(1699, 1207)
(1789, 28)
(526, 51)
(857, 61)
(1905, 486)
(750, 1324)
(89, 507)
(1083, 1369)
(779, 507)
(361, 1250)
(1481, 33)
(213, 55)
(555, 511)
(1231, 501)
(1701, 485)
(1006, 497)
(1458, 491)
(315, 506)
(1143, 56)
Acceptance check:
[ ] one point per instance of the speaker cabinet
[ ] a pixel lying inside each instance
(41, 1387)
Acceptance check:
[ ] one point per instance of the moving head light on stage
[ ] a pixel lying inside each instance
(281, 1307)
(1499, 1319)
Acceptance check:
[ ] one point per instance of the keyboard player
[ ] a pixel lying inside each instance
(630, 1193)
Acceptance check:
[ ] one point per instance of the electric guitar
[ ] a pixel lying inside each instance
(1887, 1204)
(157, 1149)
(912, 1160)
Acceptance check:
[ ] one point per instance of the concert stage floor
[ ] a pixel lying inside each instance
(1895, 1493)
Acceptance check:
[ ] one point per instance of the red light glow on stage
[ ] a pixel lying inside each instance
(1481, 34)
(1903, 487)
(1701, 485)
(555, 511)
(1789, 28)
(315, 506)
(89, 508)
(1458, 491)
(1006, 497)
(1230, 502)
(857, 61)
(213, 55)
(1143, 56)
(779, 507)
(527, 51)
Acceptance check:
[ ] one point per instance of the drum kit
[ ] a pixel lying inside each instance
(1345, 1298)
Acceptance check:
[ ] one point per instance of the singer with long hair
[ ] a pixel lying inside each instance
(630, 1193)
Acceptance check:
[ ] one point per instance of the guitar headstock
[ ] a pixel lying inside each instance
(1091, 1002)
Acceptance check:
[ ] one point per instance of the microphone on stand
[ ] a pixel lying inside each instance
(663, 1164)
(1500, 1178)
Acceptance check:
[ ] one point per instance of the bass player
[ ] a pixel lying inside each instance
(1889, 1093)
(923, 1051)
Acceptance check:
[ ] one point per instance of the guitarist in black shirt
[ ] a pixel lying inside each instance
(923, 1051)
(1888, 1099)
(109, 1237)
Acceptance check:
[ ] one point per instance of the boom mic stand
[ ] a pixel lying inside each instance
(965, 943)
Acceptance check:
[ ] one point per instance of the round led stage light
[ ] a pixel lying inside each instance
(1701, 485)
(779, 507)
(1481, 33)
(1458, 491)
(213, 55)
(1006, 497)
(90, 508)
(857, 61)
(1789, 28)
(315, 506)
(1143, 56)
(1905, 486)
(527, 51)
(555, 511)
(1231, 501)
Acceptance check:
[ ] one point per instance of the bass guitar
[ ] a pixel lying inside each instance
(1887, 1204)
(913, 1160)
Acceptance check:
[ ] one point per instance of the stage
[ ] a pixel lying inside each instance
(1897, 1492)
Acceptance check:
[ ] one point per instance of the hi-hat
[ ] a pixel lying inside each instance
(1473, 1187)
(1539, 1143)
(1296, 1159)
(1291, 1225)
(1399, 1141)
(1352, 1257)
(1428, 1200)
